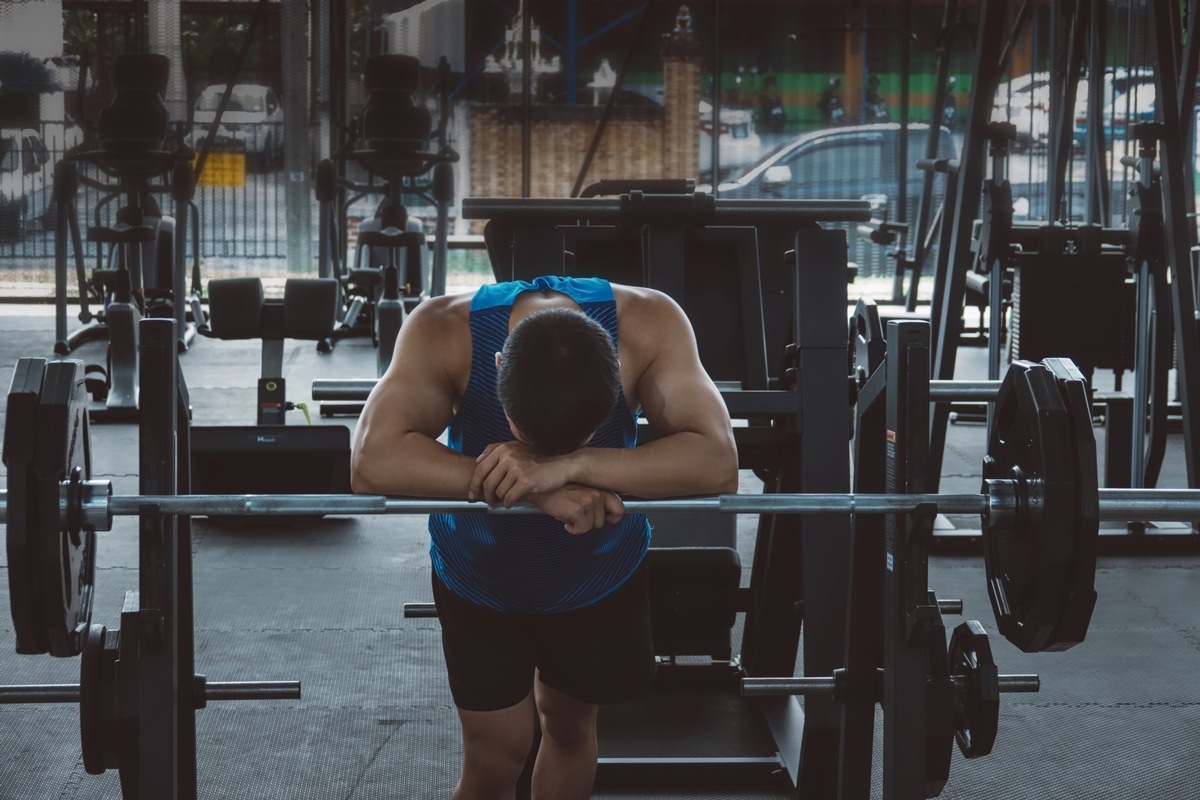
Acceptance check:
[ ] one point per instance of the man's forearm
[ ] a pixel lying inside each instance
(412, 465)
(676, 465)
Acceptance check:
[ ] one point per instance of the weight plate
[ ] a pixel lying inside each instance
(939, 709)
(977, 694)
(1080, 592)
(21, 529)
(98, 699)
(67, 571)
(1029, 554)
(867, 345)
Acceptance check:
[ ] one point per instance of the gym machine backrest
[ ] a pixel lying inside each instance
(288, 459)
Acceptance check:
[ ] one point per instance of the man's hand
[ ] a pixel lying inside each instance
(579, 508)
(506, 472)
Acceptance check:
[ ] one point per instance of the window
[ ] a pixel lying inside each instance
(10, 158)
(836, 164)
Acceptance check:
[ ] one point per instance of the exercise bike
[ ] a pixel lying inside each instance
(140, 257)
(390, 273)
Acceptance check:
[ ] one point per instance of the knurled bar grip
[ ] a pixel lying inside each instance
(771, 687)
(213, 691)
(429, 610)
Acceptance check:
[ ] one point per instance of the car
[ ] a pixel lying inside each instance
(25, 180)
(1025, 101)
(858, 162)
(1133, 105)
(737, 139)
(252, 122)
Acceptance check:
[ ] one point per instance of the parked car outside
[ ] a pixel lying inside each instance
(1025, 102)
(25, 180)
(738, 141)
(855, 163)
(1133, 105)
(252, 122)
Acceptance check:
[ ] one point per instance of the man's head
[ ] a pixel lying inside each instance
(557, 379)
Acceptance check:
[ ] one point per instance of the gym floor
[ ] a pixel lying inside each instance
(1117, 717)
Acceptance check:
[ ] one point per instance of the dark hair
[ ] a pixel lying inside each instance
(558, 378)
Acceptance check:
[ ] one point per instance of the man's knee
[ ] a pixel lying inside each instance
(565, 720)
(494, 768)
(496, 745)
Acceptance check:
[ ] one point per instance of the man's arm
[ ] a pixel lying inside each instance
(695, 453)
(396, 451)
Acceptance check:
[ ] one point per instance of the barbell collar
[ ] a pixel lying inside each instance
(775, 687)
(214, 691)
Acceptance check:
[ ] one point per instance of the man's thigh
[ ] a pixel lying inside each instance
(603, 653)
(489, 654)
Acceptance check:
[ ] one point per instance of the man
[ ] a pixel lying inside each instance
(546, 612)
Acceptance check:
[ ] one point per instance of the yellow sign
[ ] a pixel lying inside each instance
(227, 170)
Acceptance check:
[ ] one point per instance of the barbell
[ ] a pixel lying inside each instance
(1039, 503)
(212, 691)
(91, 504)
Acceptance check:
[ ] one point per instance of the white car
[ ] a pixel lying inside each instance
(738, 141)
(252, 122)
(1025, 102)
(25, 180)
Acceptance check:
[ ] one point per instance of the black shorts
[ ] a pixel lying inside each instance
(601, 654)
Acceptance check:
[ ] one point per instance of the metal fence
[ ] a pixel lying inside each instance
(240, 202)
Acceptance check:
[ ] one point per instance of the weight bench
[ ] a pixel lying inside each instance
(271, 456)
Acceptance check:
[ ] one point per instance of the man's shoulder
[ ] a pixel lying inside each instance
(437, 316)
(640, 301)
(444, 307)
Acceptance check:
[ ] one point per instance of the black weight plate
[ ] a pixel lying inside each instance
(1028, 554)
(67, 570)
(1080, 595)
(977, 695)
(939, 710)
(98, 699)
(21, 528)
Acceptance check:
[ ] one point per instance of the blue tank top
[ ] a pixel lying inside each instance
(529, 563)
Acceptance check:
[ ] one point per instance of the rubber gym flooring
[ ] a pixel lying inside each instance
(1117, 717)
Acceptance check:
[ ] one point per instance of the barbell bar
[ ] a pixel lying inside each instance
(429, 610)
(213, 691)
(774, 687)
(93, 505)
(357, 389)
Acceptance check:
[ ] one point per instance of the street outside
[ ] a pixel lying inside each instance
(242, 229)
